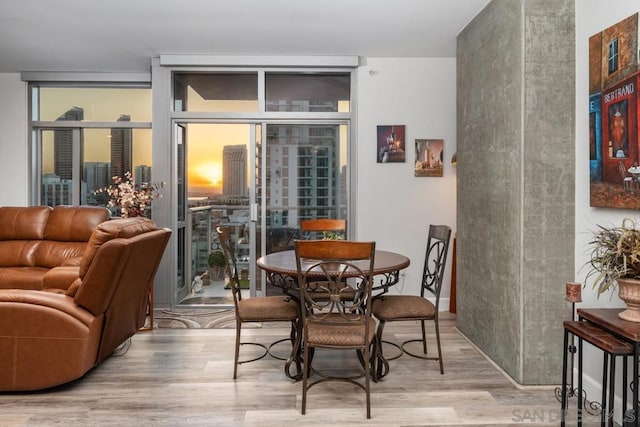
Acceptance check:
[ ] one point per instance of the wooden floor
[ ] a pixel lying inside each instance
(172, 377)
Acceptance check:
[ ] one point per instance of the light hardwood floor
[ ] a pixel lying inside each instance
(173, 377)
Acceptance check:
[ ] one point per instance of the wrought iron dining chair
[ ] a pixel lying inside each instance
(259, 309)
(328, 321)
(395, 308)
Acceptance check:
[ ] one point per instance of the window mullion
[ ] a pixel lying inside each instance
(76, 157)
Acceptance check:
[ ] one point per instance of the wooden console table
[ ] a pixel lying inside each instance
(607, 319)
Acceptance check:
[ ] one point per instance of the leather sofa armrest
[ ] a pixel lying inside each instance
(60, 277)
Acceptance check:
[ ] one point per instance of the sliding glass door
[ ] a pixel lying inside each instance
(258, 151)
(260, 190)
(301, 175)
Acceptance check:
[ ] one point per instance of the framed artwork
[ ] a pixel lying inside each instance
(429, 157)
(614, 110)
(390, 147)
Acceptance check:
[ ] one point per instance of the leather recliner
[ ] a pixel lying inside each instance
(53, 336)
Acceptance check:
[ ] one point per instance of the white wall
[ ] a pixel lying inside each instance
(394, 207)
(14, 159)
(592, 16)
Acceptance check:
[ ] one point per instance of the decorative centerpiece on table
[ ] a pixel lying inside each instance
(130, 198)
(615, 261)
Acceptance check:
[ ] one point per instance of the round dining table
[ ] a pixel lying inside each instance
(281, 272)
(281, 269)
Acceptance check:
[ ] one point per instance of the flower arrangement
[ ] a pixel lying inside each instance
(132, 199)
(615, 255)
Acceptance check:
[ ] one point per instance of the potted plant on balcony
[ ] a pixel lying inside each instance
(216, 265)
(615, 261)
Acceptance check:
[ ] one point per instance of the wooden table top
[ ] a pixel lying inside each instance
(285, 262)
(608, 319)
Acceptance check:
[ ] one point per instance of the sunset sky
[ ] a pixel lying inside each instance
(204, 141)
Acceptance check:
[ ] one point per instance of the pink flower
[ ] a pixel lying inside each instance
(132, 199)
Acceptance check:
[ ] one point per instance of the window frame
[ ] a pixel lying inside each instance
(37, 127)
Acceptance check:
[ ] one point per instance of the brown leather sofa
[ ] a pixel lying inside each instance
(41, 247)
(50, 335)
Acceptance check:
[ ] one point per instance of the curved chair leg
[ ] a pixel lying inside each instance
(305, 375)
(424, 337)
(236, 357)
(424, 341)
(275, 356)
(382, 367)
(438, 344)
(237, 353)
(295, 352)
(367, 380)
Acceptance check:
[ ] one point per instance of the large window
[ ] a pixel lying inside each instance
(613, 56)
(82, 136)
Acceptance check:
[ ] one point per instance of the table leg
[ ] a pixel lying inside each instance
(580, 402)
(296, 352)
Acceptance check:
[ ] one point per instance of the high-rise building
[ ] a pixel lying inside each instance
(234, 170)
(121, 149)
(63, 145)
(95, 175)
(56, 191)
(142, 174)
(305, 179)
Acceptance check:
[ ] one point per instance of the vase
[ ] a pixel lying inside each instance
(629, 292)
(216, 273)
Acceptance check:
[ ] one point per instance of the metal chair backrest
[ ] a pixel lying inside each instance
(323, 228)
(335, 264)
(435, 260)
(224, 236)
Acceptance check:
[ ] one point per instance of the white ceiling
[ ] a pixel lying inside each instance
(122, 35)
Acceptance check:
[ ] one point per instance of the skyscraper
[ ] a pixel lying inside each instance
(142, 174)
(63, 145)
(96, 175)
(121, 149)
(234, 170)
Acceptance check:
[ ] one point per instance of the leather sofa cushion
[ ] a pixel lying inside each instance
(118, 228)
(18, 253)
(53, 254)
(22, 277)
(23, 223)
(74, 223)
(60, 278)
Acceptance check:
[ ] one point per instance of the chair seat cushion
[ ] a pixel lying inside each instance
(339, 333)
(268, 309)
(402, 307)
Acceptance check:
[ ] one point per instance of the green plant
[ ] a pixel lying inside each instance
(332, 235)
(216, 259)
(615, 255)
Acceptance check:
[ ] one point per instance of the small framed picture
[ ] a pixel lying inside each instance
(390, 147)
(429, 157)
